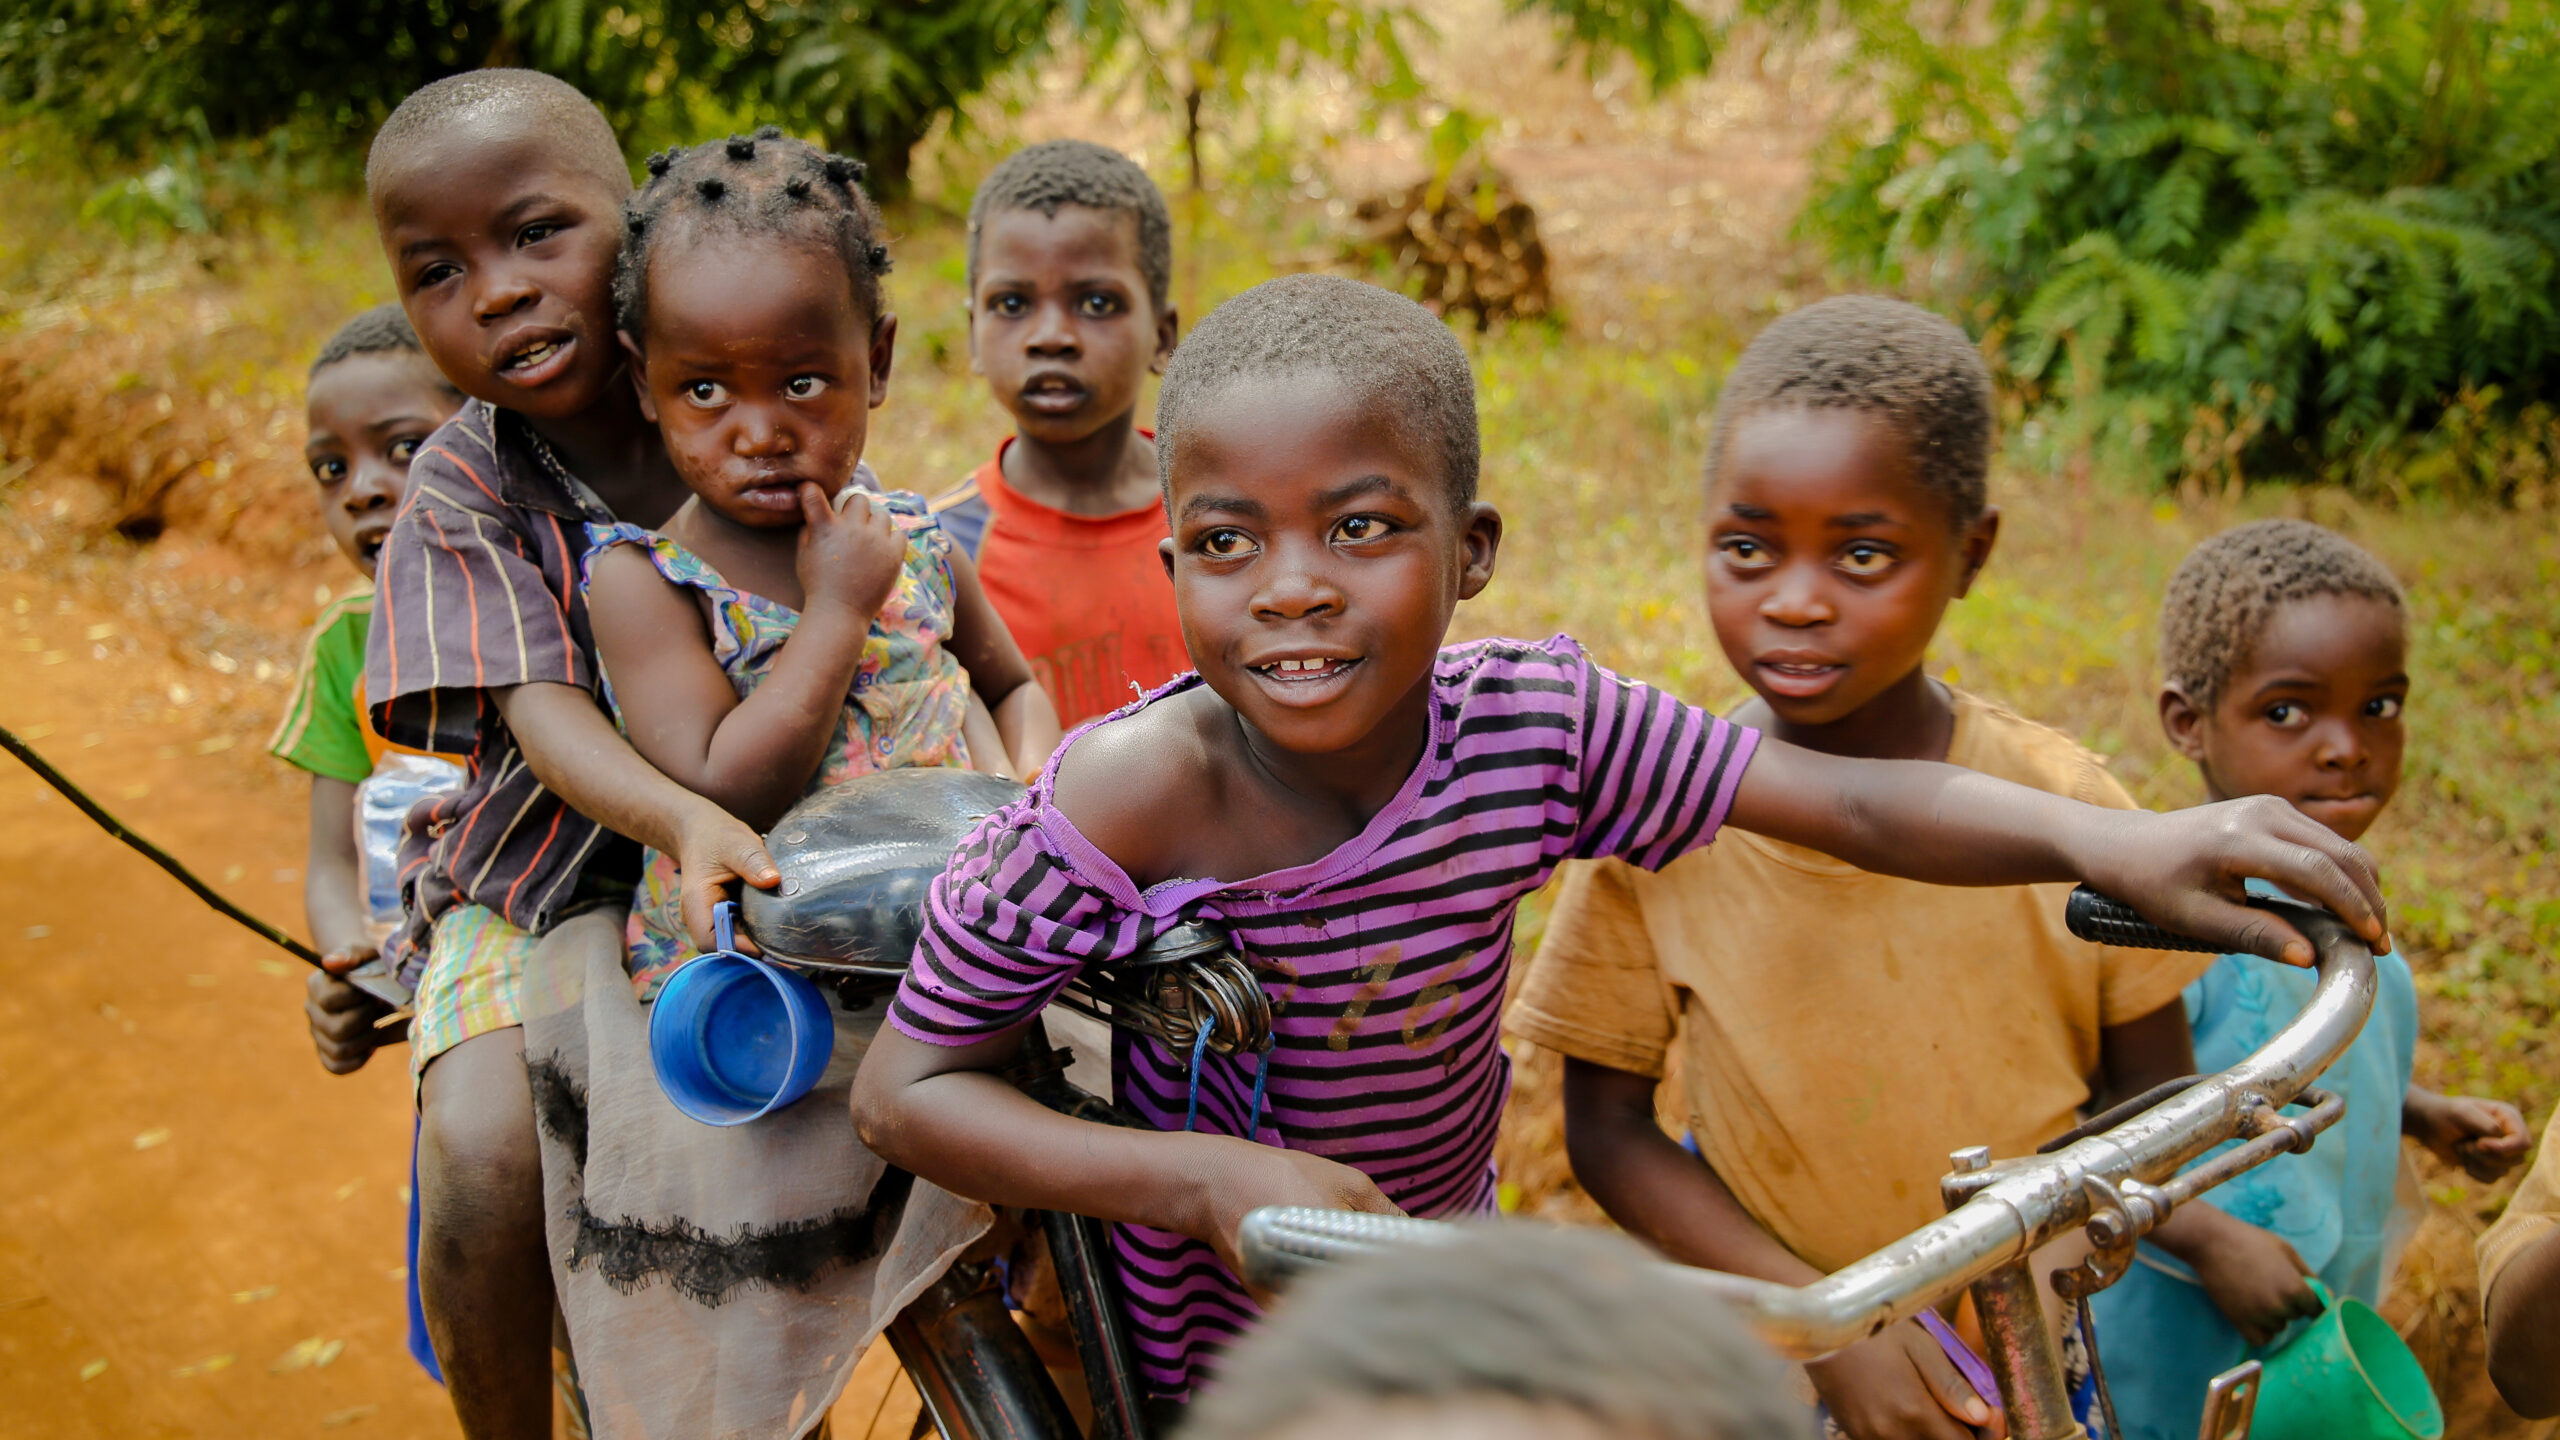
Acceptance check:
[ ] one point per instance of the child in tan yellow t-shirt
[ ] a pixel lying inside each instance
(1839, 1032)
(2520, 1288)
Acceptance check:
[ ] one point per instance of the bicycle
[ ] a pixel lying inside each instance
(856, 863)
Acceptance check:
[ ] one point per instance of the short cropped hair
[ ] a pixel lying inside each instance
(562, 111)
(1887, 358)
(380, 330)
(1078, 172)
(2227, 588)
(1583, 1321)
(767, 183)
(1398, 360)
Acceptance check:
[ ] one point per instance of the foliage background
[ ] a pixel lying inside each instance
(292, 83)
(2236, 237)
(1691, 182)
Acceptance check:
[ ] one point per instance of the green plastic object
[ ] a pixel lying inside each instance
(2345, 1376)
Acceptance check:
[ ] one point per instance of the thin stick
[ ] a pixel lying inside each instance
(9, 741)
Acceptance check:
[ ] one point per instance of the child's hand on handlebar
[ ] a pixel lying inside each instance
(2187, 871)
(1900, 1385)
(345, 1021)
(1245, 1177)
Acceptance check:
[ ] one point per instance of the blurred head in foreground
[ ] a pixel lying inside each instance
(1514, 1331)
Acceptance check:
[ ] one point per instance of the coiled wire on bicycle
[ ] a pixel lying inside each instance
(1170, 1001)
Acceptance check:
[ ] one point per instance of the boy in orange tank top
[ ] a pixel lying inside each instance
(1070, 268)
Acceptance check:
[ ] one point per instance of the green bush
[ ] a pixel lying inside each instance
(285, 77)
(2244, 237)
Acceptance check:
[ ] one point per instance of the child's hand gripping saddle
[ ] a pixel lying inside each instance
(857, 859)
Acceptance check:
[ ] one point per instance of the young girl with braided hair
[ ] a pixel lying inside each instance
(789, 627)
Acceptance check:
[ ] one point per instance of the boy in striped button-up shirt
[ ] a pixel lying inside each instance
(498, 195)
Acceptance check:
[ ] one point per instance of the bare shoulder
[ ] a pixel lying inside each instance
(629, 600)
(624, 572)
(1130, 785)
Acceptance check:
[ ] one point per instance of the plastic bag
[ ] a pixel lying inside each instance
(383, 801)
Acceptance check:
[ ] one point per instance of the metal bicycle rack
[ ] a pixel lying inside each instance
(2116, 1180)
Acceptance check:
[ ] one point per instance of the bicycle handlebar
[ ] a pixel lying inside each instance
(2109, 921)
(2008, 1208)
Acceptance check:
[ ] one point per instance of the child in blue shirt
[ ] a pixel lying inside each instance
(2285, 650)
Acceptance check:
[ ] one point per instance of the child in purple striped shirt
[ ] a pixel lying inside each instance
(1363, 810)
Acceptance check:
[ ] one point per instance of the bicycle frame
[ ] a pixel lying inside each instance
(2118, 1184)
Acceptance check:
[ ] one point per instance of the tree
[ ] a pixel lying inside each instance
(869, 76)
(2239, 236)
(1196, 57)
(2246, 236)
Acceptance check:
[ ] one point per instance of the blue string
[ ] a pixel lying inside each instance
(1199, 1053)
(1261, 1072)
(1191, 1106)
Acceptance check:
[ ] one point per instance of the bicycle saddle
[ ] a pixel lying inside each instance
(856, 861)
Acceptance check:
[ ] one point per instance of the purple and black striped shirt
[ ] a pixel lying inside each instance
(477, 589)
(1385, 960)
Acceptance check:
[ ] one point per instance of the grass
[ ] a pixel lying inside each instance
(167, 372)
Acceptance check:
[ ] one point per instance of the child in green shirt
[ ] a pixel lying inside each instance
(374, 399)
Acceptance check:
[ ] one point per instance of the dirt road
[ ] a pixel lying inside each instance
(200, 1231)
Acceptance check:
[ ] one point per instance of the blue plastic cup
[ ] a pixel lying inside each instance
(734, 1038)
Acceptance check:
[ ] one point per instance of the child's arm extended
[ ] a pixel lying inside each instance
(1945, 825)
(941, 1111)
(1896, 1385)
(2524, 1329)
(752, 757)
(1025, 715)
(342, 1017)
(333, 878)
(577, 754)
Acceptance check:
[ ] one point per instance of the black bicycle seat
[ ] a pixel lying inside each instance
(856, 861)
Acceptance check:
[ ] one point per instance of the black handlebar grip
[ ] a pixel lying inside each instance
(2109, 921)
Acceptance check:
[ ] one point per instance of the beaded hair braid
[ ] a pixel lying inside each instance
(761, 184)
